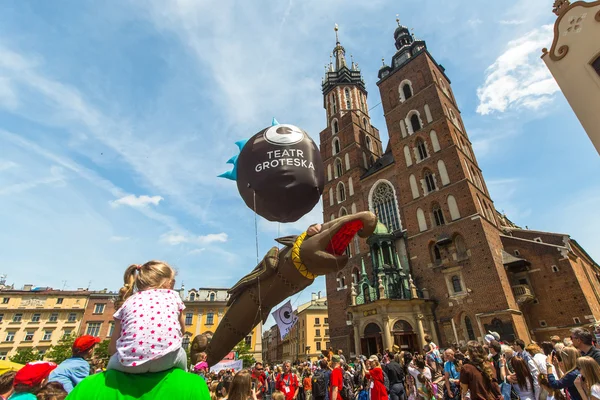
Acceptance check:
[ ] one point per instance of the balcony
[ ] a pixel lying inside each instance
(523, 294)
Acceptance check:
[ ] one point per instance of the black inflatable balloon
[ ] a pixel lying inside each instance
(280, 173)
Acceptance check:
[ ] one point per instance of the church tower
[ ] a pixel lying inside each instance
(447, 214)
(349, 146)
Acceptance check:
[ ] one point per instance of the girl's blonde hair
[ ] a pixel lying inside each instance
(151, 275)
(569, 357)
(589, 368)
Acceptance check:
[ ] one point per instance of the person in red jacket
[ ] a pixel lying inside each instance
(287, 382)
(259, 377)
(375, 374)
(337, 379)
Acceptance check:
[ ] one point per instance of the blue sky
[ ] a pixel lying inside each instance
(117, 116)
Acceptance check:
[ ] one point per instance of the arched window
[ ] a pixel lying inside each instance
(362, 101)
(368, 143)
(192, 296)
(436, 254)
(331, 217)
(348, 101)
(415, 123)
(353, 208)
(421, 149)
(355, 276)
(469, 327)
(341, 192)
(333, 103)
(456, 284)
(429, 181)
(343, 212)
(335, 126)
(460, 246)
(330, 197)
(454, 212)
(336, 146)
(443, 172)
(383, 202)
(434, 141)
(407, 156)
(338, 171)
(365, 123)
(212, 297)
(413, 186)
(421, 220)
(341, 281)
(347, 159)
(407, 91)
(329, 172)
(438, 216)
(428, 113)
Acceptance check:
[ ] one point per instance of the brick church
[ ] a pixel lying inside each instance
(442, 260)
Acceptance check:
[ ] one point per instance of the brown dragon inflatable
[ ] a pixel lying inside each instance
(282, 273)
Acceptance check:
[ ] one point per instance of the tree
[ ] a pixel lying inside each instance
(63, 350)
(243, 353)
(101, 352)
(25, 355)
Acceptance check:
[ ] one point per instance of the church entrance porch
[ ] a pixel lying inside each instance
(372, 342)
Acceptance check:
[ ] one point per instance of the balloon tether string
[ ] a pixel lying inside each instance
(257, 258)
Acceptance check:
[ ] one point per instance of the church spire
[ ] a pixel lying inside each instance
(339, 51)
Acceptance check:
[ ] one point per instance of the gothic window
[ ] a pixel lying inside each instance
(407, 91)
(362, 101)
(469, 327)
(338, 168)
(348, 101)
(415, 123)
(368, 143)
(192, 296)
(407, 156)
(355, 276)
(460, 246)
(343, 212)
(384, 205)
(429, 181)
(336, 127)
(421, 220)
(434, 141)
(341, 281)
(212, 297)
(333, 103)
(336, 146)
(456, 285)
(421, 150)
(366, 293)
(436, 255)
(596, 65)
(413, 186)
(365, 123)
(438, 216)
(454, 212)
(443, 172)
(341, 192)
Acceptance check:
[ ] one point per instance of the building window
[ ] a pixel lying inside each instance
(517, 253)
(192, 296)
(596, 65)
(1, 317)
(341, 192)
(72, 317)
(326, 321)
(326, 332)
(2, 356)
(67, 332)
(348, 100)
(554, 268)
(456, 284)
(436, 253)
(362, 101)
(336, 146)
(469, 327)
(355, 276)
(35, 317)
(317, 321)
(318, 344)
(415, 123)
(28, 336)
(248, 340)
(17, 317)
(210, 318)
(341, 281)
(576, 320)
(429, 182)
(53, 317)
(421, 220)
(59, 300)
(368, 143)
(365, 123)
(99, 308)
(406, 90)
(421, 150)
(336, 128)
(438, 216)
(5, 300)
(333, 103)
(10, 337)
(111, 328)
(47, 335)
(317, 332)
(338, 168)
(212, 297)
(93, 328)
(383, 203)
(188, 318)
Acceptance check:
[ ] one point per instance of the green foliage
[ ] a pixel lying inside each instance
(243, 352)
(101, 352)
(25, 355)
(62, 350)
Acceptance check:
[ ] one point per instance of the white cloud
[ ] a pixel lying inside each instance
(136, 201)
(4, 165)
(195, 252)
(119, 238)
(512, 21)
(202, 240)
(518, 79)
(56, 178)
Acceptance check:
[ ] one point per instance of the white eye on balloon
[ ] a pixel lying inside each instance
(284, 134)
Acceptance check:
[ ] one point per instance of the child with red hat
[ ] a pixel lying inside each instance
(73, 370)
(30, 379)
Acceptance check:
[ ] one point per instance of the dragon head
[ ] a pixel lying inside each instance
(325, 251)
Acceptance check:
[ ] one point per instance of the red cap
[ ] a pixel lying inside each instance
(32, 374)
(84, 343)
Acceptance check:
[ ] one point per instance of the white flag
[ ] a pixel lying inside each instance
(285, 318)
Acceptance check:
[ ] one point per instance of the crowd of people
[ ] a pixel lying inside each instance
(147, 362)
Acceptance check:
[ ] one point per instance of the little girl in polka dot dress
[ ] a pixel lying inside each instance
(149, 322)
